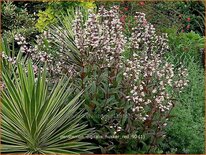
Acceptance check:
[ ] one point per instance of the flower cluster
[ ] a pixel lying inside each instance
(150, 78)
(20, 39)
(181, 82)
(144, 38)
(40, 54)
(33, 52)
(9, 59)
(100, 38)
(44, 52)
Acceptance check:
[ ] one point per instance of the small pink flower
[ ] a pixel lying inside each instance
(188, 19)
(122, 19)
(188, 26)
(141, 3)
(144, 23)
(126, 9)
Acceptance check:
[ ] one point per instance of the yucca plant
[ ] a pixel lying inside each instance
(36, 119)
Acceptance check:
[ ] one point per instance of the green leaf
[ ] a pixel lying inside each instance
(34, 119)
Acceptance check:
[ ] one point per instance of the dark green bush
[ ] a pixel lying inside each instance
(186, 46)
(17, 20)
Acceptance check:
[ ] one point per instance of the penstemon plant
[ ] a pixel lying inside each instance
(128, 92)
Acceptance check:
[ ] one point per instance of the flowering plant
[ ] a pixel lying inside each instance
(129, 86)
(132, 86)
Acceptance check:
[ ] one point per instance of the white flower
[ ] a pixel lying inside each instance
(142, 94)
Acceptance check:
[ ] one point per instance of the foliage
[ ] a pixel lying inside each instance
(187, 125)
(16, 20)
(55, 10)
(45, 18)
(31, 7)
(186, 46)
(184, 15)
(191, 14)
(40, 119)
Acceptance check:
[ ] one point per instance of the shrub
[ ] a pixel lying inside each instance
(16, 20)
(46, 18)
(186, 46)
(55, 10)
(184, 15)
